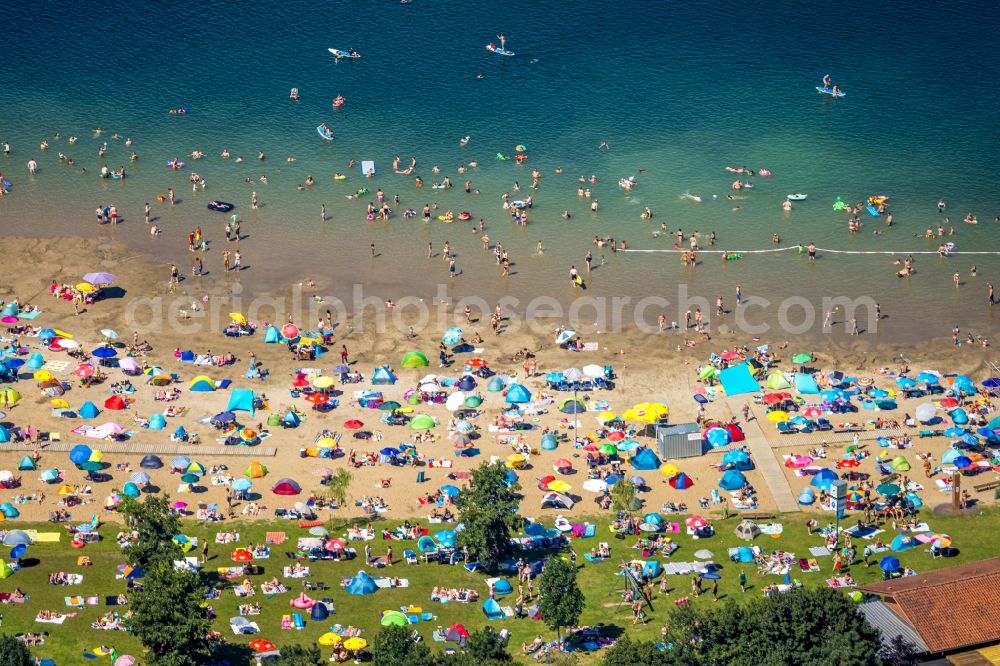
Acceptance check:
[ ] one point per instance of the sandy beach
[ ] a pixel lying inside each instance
(647, 367)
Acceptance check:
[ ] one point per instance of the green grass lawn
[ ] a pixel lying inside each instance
(976, 535)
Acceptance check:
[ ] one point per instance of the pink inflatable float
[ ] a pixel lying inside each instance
(302, 601)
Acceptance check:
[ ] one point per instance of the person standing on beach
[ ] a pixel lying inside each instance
(225, 260)
(451, 269)
(170, 195)
(989, 293)
(739, 295)
(237, 261)
(147, 210)
(589, 259)
(854, 327)
(174, 274)
(322, 212)
(373, 250)
(343, 354)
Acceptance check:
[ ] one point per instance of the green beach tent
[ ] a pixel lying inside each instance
(414, 359)
(778, 381)
(422, 422)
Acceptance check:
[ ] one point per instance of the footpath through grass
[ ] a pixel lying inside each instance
(976, 535)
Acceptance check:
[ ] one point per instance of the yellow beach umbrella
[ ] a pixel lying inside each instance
(777, 416)
(666, 469)
(86, 287)
(238, 318)
(59, 402)
(355, 643)
(559, 486)
(326, 443)
(515, 461)
(307, 341)
(43, 376)
(604, 417)
(647, 412)
(323, 382)
(329, 638)
(95, 456)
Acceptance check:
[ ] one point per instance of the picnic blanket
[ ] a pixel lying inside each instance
(80, 602)
(275, 538)
(288, 573)
(809, 565)
(386, 583)
(683, 568)
(866, 532)
(770, 528)
(56, 619)
(227, 537)
(840, 581)
(819, 551)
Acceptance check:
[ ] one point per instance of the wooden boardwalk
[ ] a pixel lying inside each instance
(167, 448)
(765, 461)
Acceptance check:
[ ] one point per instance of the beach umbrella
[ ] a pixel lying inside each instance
(450, 491)
(929, 378)
(124, 660)
(63, 343)
(954, 432)
(802, 358)
(555, 377)
(595, 486)
(696, 522)
(9, 319)
(608, 449)
(905, 382)
(393, 618)
(329, 639)
(353, 424)
(47, 334)
(99, 278)
(888, 489)
(261, 645)
(565, 335)
(962, 462)
(889, 563)
(290, 331)
(355, 643)
(777, 416)
(317, 398)
(49, 475)
(323, 382)
(104, 352)
(190, 478)
(729, 356)
(180, 462)
(593, 370)
(390, 406)
(238, 318)
(476, 363)
(940, 541)
(43, 376)
(775, 398)
(866, 381)
(647, 412)
(669, 470)
(80, 454)
(948, 403)
(242, 484)
(340, 369)
(452, 335)
(141, 478)
(559, 486)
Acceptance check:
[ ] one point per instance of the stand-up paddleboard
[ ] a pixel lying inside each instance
(829, 91)
(873, 211)
(344, 54)
(797, 197)
(495, 49)
(368, 167)
(326, 135)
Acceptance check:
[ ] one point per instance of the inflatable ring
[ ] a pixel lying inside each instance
(76, 543)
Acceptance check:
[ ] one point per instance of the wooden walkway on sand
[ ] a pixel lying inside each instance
(765, 461)
(167, 448)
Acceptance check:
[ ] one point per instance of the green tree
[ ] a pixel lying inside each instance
(392, 647)
(13, 652)
(627, 652)
(169, 617)
(338, 485)
(488, 509)
(623, 496)
(485, 645)
(806, 626)
(298, 655)
(156, 525)
(561, 600)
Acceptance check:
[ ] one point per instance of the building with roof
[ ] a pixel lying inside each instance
(950, 613)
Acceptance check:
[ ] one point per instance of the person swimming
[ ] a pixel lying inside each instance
(826, 81)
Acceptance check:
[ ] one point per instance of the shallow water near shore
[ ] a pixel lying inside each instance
(681, 94)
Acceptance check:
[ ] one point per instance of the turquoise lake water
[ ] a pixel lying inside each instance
(678, 90)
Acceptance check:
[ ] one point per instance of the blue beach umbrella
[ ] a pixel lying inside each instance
(140, 477)
(452, 335)
(905, 382)
(928, 378)
(50, 475)
(450, 491)
(104, 352)
(242, 484)
(889, 563)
